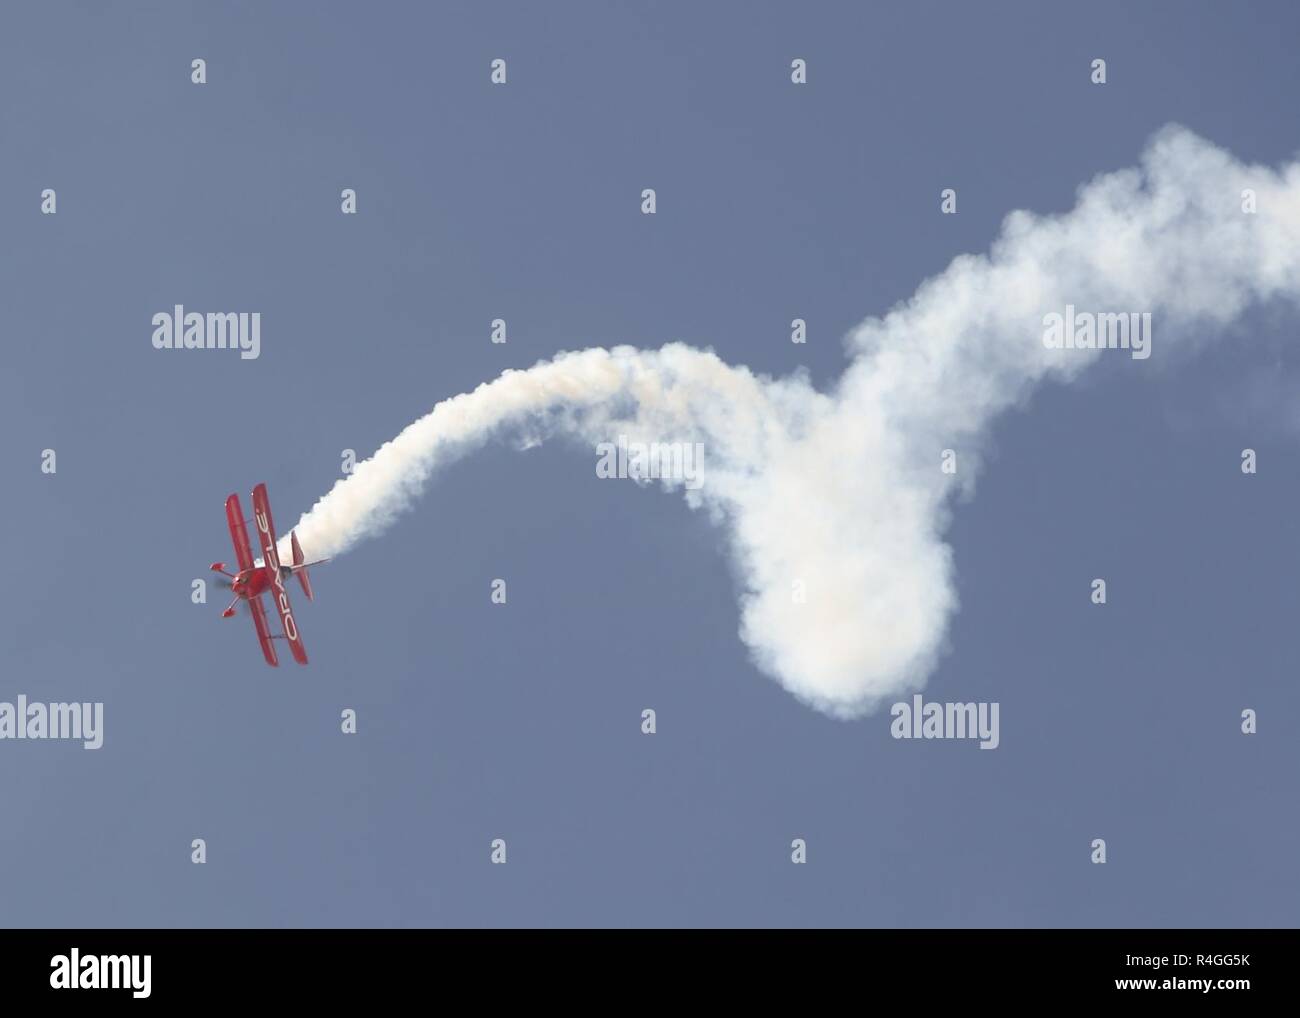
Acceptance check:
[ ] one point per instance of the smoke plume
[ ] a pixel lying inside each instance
(839, 495)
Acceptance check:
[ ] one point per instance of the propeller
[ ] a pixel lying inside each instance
(228, 583)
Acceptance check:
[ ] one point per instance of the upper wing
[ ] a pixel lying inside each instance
(238, 532)
(271, 562)
(265, 528)
(263, 630)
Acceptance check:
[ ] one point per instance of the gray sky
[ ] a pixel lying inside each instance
(522, 721)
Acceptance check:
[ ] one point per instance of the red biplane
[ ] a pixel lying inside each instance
(254, 580)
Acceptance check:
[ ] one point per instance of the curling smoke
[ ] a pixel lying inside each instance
(842, 492)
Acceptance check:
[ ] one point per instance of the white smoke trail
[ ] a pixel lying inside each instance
(842, 492)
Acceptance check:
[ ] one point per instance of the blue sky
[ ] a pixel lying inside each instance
(522, 721)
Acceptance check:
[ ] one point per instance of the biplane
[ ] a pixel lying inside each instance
(266, 575)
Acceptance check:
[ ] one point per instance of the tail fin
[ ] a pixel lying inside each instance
(299, 566)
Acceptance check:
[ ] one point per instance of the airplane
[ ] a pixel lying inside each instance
(253, 580)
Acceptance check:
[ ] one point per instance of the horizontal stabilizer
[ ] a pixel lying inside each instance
(299, 563)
